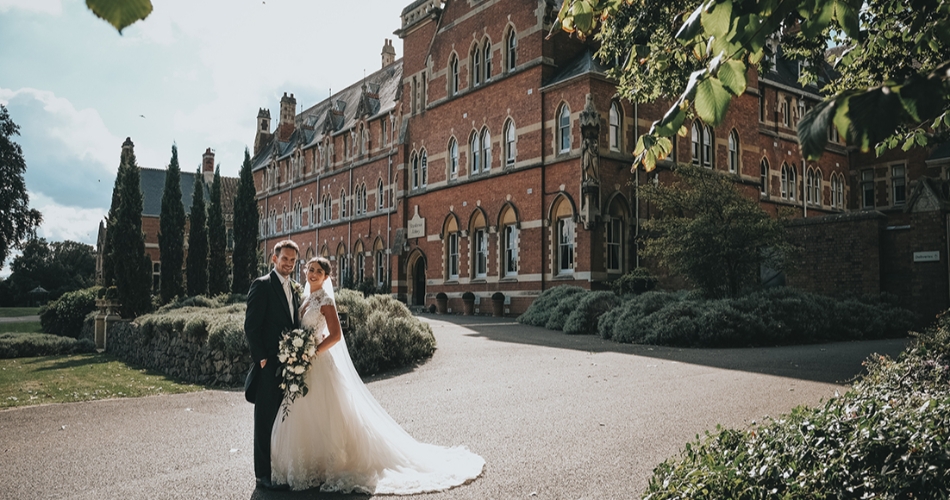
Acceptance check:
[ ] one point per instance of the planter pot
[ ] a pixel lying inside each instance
(498, 304)
(442, 303)
(468, 303)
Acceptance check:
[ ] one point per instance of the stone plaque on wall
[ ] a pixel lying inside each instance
(417, 225)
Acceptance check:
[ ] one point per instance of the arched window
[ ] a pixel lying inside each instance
(702, 145)
(816, 187)
(511, 151)
(453, 75)
(733, 152)
(450, 232)
(785, 181)
(615, 234)
(476, 153)
(379, 255)
(615, 126)
(360, 267)
(414, 171)
(764, 177)
(479, 245)
(788, 182)
(486, 150)
(313, 213)
(511, 50)
(509, 241)
(453, 158)
(365, 198)
(564, 237)
(423, 169)
(476, 66)
(342, 203)
(564, 129)
(809, 183)
(343, 268)
(486, 53)
(379, 194)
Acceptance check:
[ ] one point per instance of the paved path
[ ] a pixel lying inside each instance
(19, 319)
(555, 416)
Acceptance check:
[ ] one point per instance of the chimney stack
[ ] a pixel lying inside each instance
(389, 52)
(207, 166)
(288, 110)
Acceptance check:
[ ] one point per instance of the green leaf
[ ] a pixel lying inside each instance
(816, 22)
(712, 100)
(693, 24)
(732, 74)
(671, 122)
(718, 20)
(120, 13)
(813, 129)
(846, 13)
(583, 16)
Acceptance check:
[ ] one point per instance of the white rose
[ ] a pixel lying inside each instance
(311, 351)
(294, 388)
(282, 358)
(298, 342)
(299, 370)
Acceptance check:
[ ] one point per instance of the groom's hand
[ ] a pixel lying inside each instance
(263, 362)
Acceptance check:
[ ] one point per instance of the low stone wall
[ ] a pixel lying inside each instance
(190, 359)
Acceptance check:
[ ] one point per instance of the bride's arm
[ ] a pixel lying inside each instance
(333, 327)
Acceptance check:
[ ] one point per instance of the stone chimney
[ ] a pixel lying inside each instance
(207, 166)
(288, 110)
(263, 130)
(389, 52)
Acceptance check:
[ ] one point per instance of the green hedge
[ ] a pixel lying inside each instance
(383, 333)
(27, 345)
(587, 313)
(545, 309)
(886, 438)
(64, 316)
(222, 327)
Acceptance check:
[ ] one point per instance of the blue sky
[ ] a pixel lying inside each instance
(193, 73)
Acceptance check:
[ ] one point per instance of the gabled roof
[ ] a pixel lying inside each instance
(371, 97)
(152, 181)
(929, 195)
(582, 64)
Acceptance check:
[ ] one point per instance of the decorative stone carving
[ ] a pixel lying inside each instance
(590, 164)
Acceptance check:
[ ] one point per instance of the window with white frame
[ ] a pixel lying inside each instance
(816, 187)
(327, 209)
(702, 145)
(475, 153)
(486, 150)
(511, 50)
(564, 129)
(764, 177)
(365, 198)
(480, 245)
(452, 260)
(360, 267)
(809, 180)
(476, 67)
(867, 188)
(414, 171)
(784, 111)
(379, 194)
(733, 152)
(510, 251)
(565, 245)
(615, 126)
(380, 268)
(453, 75)
(486, 53)
(614, 244)
(423, 169)
(342, 203)
(453, 158)
(510, 150)
(898, 184)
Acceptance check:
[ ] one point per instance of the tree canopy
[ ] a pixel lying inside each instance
(58, 267)
(133, 267)
(891, 77)
(17, 219)
(196, 265)
(244, 254)
(217, 241)
(171, 235)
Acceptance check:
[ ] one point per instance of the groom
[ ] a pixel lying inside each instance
(271, 309)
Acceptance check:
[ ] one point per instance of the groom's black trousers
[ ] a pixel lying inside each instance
(266, 408)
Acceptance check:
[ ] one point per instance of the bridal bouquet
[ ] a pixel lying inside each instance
(296, 351)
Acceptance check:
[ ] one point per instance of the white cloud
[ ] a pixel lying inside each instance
(54, 7)
(62, 222)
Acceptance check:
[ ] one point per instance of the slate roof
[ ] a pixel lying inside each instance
(940, 152)
(785, 72)
(152, 181)
(582, 64)
(376, 95)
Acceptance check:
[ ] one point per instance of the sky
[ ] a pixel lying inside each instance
(193, 73)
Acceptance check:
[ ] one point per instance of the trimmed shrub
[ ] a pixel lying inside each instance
(585, 317)
(543, 307)
(64, 316)
(886, 438)
(28, 345)
(640, 280)
(222, 300)
(626, 324)
(383, 333)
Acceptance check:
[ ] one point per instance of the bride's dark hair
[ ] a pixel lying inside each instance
(323, 262)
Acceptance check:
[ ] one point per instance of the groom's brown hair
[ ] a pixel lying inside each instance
(285, 244)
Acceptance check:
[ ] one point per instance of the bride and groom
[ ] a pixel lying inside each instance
(337, 437)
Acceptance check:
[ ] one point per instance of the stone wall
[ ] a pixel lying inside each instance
(190, 359)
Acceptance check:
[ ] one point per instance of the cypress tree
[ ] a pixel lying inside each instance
(244, 256)
(171, 235)
(108, 263)
(197, 265)
(133, 273)
(217, 241)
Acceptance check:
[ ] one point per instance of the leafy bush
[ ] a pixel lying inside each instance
(64, 316)
(886, 438)
(221, 327)
(23, 345)
(383, 334)
(225, 299)
(586, 315)
(639, 280)
(543, 307)
(766, 317)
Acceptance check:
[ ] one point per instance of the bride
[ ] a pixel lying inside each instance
(338, 437)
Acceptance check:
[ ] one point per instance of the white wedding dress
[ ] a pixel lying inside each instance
(339, 438)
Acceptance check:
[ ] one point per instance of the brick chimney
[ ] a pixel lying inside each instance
(389, 52)
(207, 166)
(288, 110)
(263, 130)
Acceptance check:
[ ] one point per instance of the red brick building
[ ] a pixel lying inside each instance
(492, 158)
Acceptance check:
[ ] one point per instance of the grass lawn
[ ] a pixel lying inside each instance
(81, 377)
(21, 327)
(12, 312)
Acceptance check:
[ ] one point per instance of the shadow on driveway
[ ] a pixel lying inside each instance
(836, 363)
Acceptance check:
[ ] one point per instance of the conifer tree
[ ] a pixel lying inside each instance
(217, 241)
(197, 262)
(133, 273)
(171, 235)
(244, 255)
(108, 263)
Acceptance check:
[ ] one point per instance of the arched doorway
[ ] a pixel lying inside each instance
(417, 279)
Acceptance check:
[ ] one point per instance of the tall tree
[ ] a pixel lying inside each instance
(59, 267)
(217, 241)
(244, 255)
(133, 267)
(171, 233)
(17, 219)
(197, 262)
(893, 82)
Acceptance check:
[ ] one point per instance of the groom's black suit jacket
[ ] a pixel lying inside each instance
(267, 316)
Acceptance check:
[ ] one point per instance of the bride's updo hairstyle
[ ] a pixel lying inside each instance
(322, 262)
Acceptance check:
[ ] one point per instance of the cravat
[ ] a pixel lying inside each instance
(288, 293)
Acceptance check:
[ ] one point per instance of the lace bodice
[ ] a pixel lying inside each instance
(312, 316)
